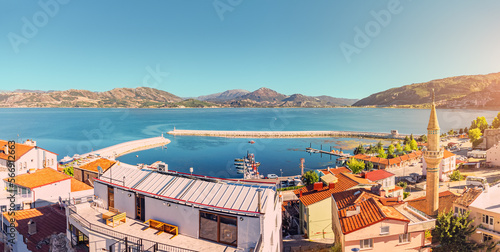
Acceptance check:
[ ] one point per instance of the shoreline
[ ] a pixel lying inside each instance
(285, 134)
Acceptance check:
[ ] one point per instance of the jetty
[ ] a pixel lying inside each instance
(286, 134)
(129, 147)
(333, 152)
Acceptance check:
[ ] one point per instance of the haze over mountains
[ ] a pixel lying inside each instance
(143, 97)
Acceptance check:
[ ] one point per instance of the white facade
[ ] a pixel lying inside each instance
(35, 158)
(493, 155)
(447, 166)
(180, 201)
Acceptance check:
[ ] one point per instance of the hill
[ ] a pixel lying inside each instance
(468, 91)
(224, 96)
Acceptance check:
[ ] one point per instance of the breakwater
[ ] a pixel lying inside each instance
(285, 134)
(131, 146)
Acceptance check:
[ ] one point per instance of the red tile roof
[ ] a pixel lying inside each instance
(392, 161)
(310, 196)
(468, 196)
(336, 170)
(105, 164)
(396, 188)
(20, 150)
(39, 178)
(447, 154)
(350, 197)
(392, 201)
(446, 200)
(49, 220)
(77, 185)
(378, 175)
(371, 212)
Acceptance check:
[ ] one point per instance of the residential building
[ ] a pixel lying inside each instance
(446, 199)
(391, 163)
(462, 203)
(210, 214)
(493, 155)
(446, 167)
(485, 211)
(28, 157)
(490, 138)
(315, 203)
(477, 154)
(42, 229)
(386, 181)
(45, 187)
(365, 221)
(89, 171)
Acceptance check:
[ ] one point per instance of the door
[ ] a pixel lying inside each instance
(111, 197)
(139, 207)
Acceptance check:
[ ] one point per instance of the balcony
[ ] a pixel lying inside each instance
(484, 229)
(419, 221)
(134, 233)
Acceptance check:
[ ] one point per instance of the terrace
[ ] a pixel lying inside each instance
(136, 235)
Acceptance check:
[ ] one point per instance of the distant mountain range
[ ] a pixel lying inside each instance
(143, 97)
(468, 91)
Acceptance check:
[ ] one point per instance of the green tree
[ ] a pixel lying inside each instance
(381, 153)
(390, 150)
(407, 148)
(479, 123)
(402, 184)
(411, 136)
(461, 131)
(413, 145)
(369, 166)
(407, 140)
(380, 145)
(496, 122)
(456, 176)
(451, 233)
(399, 148)
(355, 165)
(423, 138)
(310, 177)
(451, 132)
(466, 130)
(475, 134)
(371, 150)
(69, 171)
(359, 150)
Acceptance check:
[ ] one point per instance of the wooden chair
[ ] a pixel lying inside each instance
(163, 227)
(117, 219)
(112, 212)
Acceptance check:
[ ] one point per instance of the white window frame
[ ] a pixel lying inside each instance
(404, 238)
(382, 232)
(366, 243)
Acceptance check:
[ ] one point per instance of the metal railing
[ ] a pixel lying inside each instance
(136, 243)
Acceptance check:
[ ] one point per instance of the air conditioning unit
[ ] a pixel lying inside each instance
(162, 167)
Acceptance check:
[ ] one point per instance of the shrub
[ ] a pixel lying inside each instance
(406, 194)
(402, 184)
(456, 176)
(310, 177)
(289, 188)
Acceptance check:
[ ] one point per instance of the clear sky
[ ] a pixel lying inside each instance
(202, 47)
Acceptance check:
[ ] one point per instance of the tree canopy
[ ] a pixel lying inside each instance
(413, 144)
(475, 134)
(496, 122)
(355, 165)
(310, 177)
(399, 148)
(479, 123)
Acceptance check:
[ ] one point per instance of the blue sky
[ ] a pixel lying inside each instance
(289, 46)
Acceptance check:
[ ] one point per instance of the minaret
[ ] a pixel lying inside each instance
(433, 156)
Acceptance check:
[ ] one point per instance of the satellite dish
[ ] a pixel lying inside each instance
(99, 169)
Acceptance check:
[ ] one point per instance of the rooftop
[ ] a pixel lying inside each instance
(378, 175)
(488, 200)
(391, 161)
(447, 154)
(446, 199)
(49, 220)
(105, 164)
(77, 185)
(468, 196)
(86, 214)
(20, 150)
(336, 170)
(215, 194)
(39, 178)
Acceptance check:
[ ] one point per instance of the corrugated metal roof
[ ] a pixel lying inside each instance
(220, 194)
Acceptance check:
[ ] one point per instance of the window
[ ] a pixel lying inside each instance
(368, 243)
(219, 228)
(488, 220)
(404, 238)
(384, 230)
(487, 237)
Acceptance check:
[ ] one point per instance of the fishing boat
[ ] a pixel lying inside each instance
(251, 141)
(248, 166)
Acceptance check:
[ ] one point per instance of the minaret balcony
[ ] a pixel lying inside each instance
(433, 154)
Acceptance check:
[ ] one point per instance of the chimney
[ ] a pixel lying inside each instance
(6, 149)
(381, 192)
(300, 194)
(318, 186)
(362, 174)
(328, 168)
(331, 185)
(350, 213)
(31, 227)
(259, 204)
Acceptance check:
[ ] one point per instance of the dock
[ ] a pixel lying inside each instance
(131, 146)
(333, 152)
(285, 134)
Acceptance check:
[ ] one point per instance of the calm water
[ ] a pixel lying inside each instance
(67, 131)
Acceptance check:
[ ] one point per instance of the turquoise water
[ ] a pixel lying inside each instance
(67, 131)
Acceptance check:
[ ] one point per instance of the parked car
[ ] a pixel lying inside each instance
(410, 180)
(284, 183)
(272, 176)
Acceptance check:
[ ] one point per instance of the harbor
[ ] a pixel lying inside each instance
(129, 147)
(286, 134)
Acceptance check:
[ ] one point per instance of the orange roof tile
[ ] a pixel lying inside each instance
(358, 179)
(105, 164)
(447, 154)
(77, 185)
(49, 220)
(446, 199)
(390, 161)
(378, 175)
(396, 188)
(468, 196)
(336, 170)
(20, 150)
(350, 197)
(391, 201)
(39, 178)
(310, 196)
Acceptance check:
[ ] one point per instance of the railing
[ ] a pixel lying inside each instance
(484, 228)
(258, 245)
(136, 242)
(419, 212)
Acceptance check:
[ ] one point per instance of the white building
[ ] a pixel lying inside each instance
(493, 155)
(44, 187)
(477, 154)
(211, 214)
(447, 166)
(29, 157)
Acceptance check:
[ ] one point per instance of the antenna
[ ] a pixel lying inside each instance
(433, 96)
